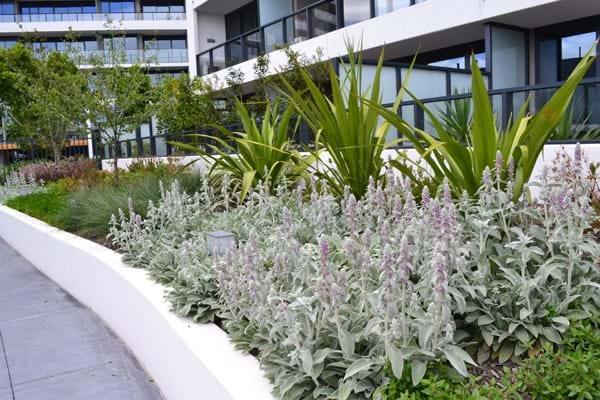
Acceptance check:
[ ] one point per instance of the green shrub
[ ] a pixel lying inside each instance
(42, 205)
(571, 372)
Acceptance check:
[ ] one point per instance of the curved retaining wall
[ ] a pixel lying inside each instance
(188, 361)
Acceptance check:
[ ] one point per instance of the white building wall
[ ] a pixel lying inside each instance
(429, 25)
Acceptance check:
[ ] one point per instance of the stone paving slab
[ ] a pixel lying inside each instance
(56, 349)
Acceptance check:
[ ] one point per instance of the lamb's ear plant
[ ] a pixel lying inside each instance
(463, 164)
(330, 294)
(261, 152)
(16, 184)
(344, 126)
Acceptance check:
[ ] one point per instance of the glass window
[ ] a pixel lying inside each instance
(128, 7)
(509, 58)
(458, 63)
(572, 49)
(576, 46)
(179, 44)
(117, 6)
(356, 11)
(91, 45)
(7, 7)
(387, 6)
(130, 43)
(163, 44)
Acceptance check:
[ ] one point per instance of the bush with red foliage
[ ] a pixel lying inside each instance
(51, 172)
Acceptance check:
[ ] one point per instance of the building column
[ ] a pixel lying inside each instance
(192, 37)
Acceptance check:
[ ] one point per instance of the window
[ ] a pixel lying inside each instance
(166, 49)
(458, 63)
(121, 43)
(117, 7)
(356, 11)
(242, 20)
(577, 45)
(163, 7)
(7, 7)
(7, 43)
(387, 6)
(58, 8)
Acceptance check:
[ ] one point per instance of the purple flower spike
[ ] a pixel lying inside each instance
(425, 197)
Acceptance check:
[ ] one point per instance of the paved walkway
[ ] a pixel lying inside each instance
(53, 348)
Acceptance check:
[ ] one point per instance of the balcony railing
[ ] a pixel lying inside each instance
(70, 17)
(133, 56)
(506, 103)
(317, 19)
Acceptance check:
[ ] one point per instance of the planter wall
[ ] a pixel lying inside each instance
(592, 150)
(188, 361)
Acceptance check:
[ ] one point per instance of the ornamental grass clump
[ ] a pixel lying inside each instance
(328, 294)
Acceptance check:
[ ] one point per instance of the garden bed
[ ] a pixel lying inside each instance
(187, 360)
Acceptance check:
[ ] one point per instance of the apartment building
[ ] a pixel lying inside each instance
(524, 47)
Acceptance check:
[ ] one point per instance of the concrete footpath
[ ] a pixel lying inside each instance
(53, 348)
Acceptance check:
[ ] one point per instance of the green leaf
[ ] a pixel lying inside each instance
(506, 352)
(362, 364)
(346, 389)
(307, 361)
(457, 358)
(347, 342)
(552, 335)
(397, 361)
(418, 369)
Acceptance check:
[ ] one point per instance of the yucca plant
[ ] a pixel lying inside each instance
(463, 164)
(350, 131)
(260, 153)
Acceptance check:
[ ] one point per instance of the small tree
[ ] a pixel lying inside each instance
(17, 66)
(187, 104)
(122, 96)
(58, 96)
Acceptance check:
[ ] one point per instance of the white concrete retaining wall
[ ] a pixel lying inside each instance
(188, 361)
(592, 152)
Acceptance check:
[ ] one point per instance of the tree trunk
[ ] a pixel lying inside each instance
(116, 160)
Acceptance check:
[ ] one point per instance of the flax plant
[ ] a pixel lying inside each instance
(259, 153)
(463, 163)
(348, 130)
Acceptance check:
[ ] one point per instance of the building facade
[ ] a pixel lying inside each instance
(524, 47)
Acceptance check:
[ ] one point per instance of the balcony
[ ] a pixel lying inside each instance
(162, 56)
(73, 17)
(315, 20)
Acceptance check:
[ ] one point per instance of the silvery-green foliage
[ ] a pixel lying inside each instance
(18, 184)
(533, 267)
(327, 292)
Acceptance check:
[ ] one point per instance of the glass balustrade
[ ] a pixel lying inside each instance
(315, 20)
(74, 17)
